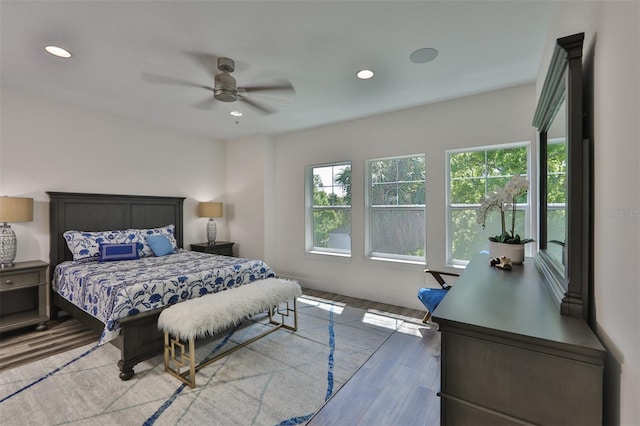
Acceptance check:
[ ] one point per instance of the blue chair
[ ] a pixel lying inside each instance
(431, 297)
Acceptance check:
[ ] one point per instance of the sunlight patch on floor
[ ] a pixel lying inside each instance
(379, 318)
(375, 318)
(324, 304)
(415, 329)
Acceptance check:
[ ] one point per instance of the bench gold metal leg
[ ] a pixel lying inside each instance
(283, 312)
(173, 345)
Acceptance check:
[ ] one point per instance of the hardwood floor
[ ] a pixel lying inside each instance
(409, 314)
(396, 386)
(23, 346)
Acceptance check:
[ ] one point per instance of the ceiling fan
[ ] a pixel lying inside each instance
(225, 88)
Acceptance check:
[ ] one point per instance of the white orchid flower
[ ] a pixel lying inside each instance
(504, 199)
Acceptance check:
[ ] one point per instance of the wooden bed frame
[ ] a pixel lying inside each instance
(139, 337)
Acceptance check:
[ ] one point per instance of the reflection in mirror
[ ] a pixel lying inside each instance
(557, 189)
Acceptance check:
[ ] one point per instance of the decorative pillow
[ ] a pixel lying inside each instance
(160, 245)
(111, 252)
(141, 235)
(85, 246)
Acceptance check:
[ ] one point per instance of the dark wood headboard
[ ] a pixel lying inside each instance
(104, 212)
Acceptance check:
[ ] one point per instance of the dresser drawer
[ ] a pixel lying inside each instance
(457, 412)
(9, 281)
(520, 382)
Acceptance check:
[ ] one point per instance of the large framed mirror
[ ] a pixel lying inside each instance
(565, 236)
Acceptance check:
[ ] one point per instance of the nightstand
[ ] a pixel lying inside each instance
(23, 295)
(224, 248)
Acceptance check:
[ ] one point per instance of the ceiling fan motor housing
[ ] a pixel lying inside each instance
(226, 64)
(225, 88)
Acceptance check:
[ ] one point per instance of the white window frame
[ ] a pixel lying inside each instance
(526, 207)
(310, 209)
(369, 209)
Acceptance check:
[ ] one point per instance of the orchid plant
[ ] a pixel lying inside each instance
(504, 200)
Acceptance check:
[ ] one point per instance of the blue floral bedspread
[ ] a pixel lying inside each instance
(113, 290)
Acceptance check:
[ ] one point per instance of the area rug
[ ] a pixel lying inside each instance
(282, 379)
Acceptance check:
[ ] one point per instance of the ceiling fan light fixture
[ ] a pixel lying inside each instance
(57, 51)
(365, 74)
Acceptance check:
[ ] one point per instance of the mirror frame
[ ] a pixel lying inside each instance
(564, 81)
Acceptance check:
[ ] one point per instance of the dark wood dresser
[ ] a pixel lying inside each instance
(510, 357)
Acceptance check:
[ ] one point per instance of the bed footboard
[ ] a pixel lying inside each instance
(139, 337)
(139, 340)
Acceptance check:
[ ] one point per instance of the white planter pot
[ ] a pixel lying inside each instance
(515, 252)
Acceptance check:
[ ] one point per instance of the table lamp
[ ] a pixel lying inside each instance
(210, 210)
(12, 209)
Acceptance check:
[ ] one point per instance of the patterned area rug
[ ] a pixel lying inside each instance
(282, 379)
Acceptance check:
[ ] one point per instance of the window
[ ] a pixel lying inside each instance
(396, 224)
(328, 212)
(473, 174)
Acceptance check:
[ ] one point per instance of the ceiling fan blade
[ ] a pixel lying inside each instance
(206, 61)
(207, 104)
(282, 86)
(256, 105)
(282, 101)
(161, 79)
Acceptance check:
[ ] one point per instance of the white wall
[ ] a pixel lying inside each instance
(501, 116)
(612, 43)
(250, 188)
(51, 146)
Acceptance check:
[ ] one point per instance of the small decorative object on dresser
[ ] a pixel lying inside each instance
(223, 248)
(23, 295)
(12, 209)
(210, 210)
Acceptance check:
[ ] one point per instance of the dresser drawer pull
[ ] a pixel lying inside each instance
(8, 282)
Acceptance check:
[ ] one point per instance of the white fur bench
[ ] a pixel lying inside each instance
(213, 313)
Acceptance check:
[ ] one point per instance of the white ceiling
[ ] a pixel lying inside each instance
(317, 45)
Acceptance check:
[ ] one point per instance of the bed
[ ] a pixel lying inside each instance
(125, 312)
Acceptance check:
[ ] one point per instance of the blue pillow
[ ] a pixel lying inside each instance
(160, 244)
(124, 251)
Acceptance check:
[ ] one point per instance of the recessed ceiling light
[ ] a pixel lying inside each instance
(364, 74)
(58, 51)
(236, 113)
(422, 56)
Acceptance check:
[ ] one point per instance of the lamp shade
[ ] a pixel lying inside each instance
(210, 209)
(16, 209)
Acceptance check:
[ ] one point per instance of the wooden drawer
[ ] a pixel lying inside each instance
(456, 412)
(522, 383)
(22, 279)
